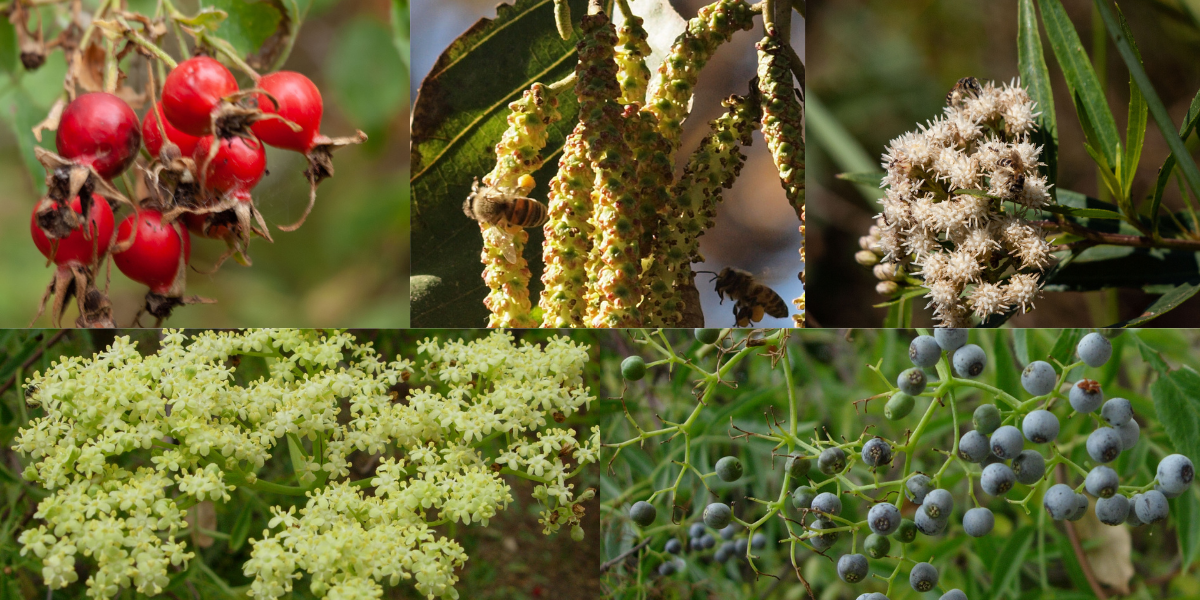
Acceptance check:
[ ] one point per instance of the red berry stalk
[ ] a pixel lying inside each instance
(614, 265)
(75, 257)
(518, 153)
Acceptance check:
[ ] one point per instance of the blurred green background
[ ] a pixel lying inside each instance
(346, 266)
(878, 68)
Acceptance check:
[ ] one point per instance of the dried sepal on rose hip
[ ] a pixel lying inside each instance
(75, 257)
(155, 252)
(229, 169)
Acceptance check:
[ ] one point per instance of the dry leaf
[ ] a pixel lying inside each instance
(1111, 557)
(202, 516)
(51, 120)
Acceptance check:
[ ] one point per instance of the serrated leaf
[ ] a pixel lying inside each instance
(363, 50)
(1165, 303)
(458, 116)
(1150, 355)
(1177, 401)
(1081, 79)
(1185, 510)
(247, 25)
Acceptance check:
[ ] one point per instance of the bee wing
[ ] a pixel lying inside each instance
(503, 240)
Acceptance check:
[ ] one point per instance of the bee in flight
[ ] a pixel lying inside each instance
(499, 207)
(751, 298)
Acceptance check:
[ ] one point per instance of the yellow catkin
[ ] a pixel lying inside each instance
(568, 236)
(518, 153)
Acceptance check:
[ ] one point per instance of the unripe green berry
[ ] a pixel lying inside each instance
(898, 406)
(633, 368)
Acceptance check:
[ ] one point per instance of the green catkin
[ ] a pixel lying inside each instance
(632, 49)
(676, 78)
(714, 167)
(782, 117)
(614, 263)
(518, 153)
(651, 156)
(568, 236)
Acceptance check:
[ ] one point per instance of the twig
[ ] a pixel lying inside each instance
(1119, 239)
(622, 556)
(32, 359)
(1078, 547)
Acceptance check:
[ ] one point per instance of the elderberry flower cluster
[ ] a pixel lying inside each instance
(207, 432)
(958, 189)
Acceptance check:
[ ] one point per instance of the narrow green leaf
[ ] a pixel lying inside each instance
(1185, 510)
(1081, 78)
(1008, 376)
(1177, 402)
(1135, 130)
(847, 154)
(298, 455)
(1167, 302)
(1031, 64)
(1164, 172)
(1012, 556)
(241, 529)
(1124, 45)
(1064, 346)
(1021, 345)
(871, 178)
(1084, 213)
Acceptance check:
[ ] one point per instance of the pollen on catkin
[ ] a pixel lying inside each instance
(957, 190)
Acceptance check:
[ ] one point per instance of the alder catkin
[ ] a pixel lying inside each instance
(630, 53)
(518, 153)
(782, 117)
(568, 235)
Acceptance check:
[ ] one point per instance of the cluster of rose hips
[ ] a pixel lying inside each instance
(995, 443)
(205, 144)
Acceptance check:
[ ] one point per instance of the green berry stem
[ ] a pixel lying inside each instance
(568, 235)
(517, 153)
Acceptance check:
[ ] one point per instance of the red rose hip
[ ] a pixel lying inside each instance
(193, 90)
(235, 169)
(101, 131)
(299, 102)
(154, 139)
(154, 258)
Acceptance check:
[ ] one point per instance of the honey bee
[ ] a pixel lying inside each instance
(966, 87)
(499, 207)
(751, 298)
(1013, 169)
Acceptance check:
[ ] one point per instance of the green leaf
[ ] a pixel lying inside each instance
(1008, 376)
(22, 114)
(1186, 512)
(207, 18)
(871, 178)
(913, 293)
(1135, 130)
(298, 455)
(1150, 355)
(1081, 78)
(1125, 46)
(1021, 343)
(1104, 267)
(247, 25)
(847, 154)
(1167, 302)
(1031, 64)
(400, 30)
(1064, 346)
(1012, 556)
(241, 528)
(1164, 172)
(9, 51)
(362, 54)
(1177, 402)
(1083, 213)
(459, 114)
